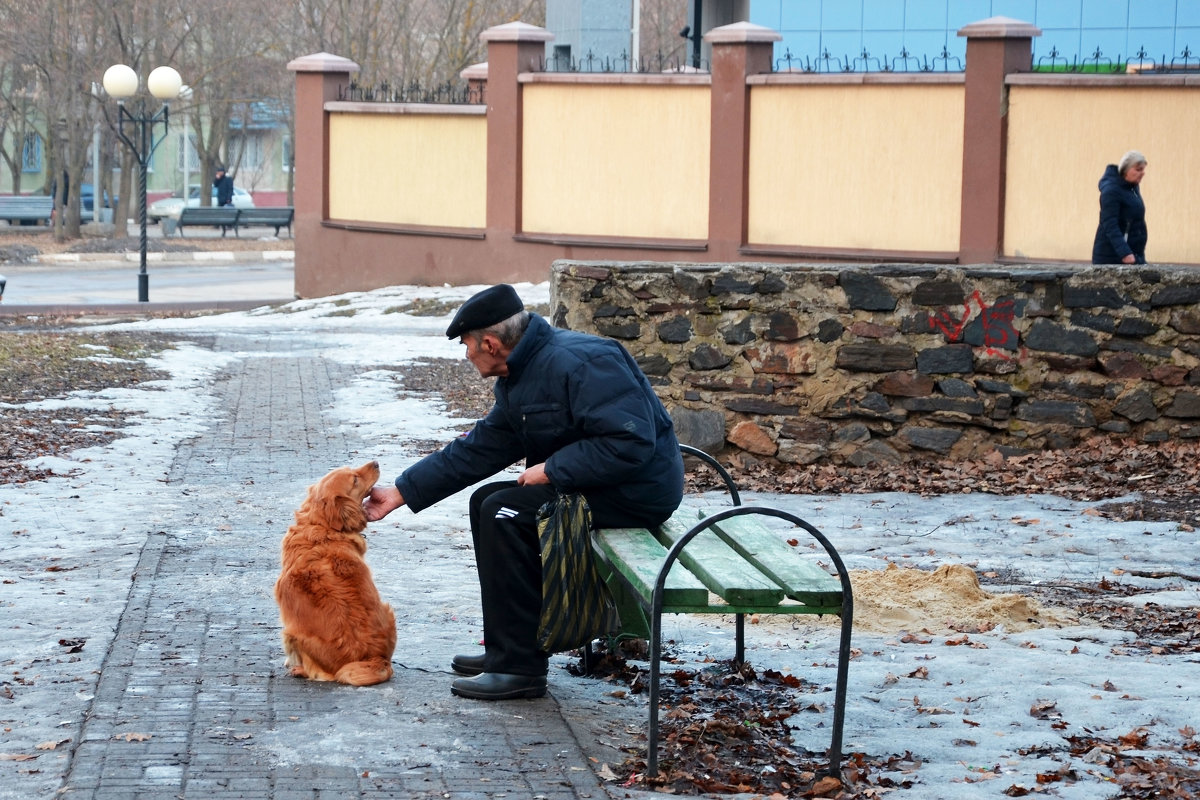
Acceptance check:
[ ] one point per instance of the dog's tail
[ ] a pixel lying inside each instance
(365, 673)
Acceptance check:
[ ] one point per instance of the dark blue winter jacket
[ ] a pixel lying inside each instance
(1122, 228)
(581, 405)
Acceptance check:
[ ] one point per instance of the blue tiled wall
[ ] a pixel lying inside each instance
(1075, 28)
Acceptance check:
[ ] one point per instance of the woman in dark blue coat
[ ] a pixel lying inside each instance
(1121, 235)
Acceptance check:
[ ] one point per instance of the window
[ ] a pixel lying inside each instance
(31, 153)
(188, 150)
(287, 154)
(562, 57)
(249, 147)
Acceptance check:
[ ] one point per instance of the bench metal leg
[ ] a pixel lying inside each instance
(590, 659)
(839, 693)
(655, 655)
(739, 632)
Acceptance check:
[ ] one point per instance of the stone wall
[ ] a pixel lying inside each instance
(885, 363)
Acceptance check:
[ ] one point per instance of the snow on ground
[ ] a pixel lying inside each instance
(985, 704)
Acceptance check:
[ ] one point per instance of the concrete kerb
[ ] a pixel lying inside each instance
(136, 309)
(186, 257)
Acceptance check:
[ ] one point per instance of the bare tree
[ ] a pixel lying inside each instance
(19, 118)
(449, 30)
(224, 55)
(661, 43)
(232, 53)
(59, 42)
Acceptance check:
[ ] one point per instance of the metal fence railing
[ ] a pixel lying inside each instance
(826, 63)
(1098, 63)
(623, 63)
(413, 92)
(906, 61)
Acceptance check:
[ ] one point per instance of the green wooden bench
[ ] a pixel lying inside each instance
(722, 562)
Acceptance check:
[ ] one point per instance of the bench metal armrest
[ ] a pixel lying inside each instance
(847, 622)
(730, 486)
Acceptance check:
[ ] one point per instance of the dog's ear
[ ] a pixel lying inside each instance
(354, 518)
(340, 513)
(333, 506)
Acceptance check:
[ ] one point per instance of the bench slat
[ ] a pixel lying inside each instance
(637, 555)
(721, 569)
(208, 216)
(804, 581)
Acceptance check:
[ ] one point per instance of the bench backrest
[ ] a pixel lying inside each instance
(208, 215)
(32, 203)
(268, 214)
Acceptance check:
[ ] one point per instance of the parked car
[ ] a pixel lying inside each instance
(87, 202)
(171, 206)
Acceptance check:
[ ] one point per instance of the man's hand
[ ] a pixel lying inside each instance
(382, 500)
(534, 475)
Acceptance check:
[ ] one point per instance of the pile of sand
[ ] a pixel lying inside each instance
(949, 599)
(945, 602)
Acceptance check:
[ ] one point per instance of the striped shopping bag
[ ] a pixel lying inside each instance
(576, 604)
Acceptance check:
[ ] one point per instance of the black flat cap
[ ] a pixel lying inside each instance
(485, 309)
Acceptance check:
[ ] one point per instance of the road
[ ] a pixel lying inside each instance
(169, 283)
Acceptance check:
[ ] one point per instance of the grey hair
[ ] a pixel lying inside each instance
(508, 331)
(1131, 159)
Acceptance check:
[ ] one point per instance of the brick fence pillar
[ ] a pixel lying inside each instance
(738, 51)
(317, 80)
(512, 49)
(476, 77)
(995, 47)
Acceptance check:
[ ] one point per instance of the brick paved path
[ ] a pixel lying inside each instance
(193, 701)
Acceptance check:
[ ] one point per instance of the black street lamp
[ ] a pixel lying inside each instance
(164, 83)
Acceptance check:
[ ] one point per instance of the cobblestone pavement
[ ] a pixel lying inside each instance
(192, 700)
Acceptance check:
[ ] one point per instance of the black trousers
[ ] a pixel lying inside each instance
(508, 556)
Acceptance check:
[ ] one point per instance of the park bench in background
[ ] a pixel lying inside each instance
(725, 562)
(23, 208)
(227, 217)
(276, 216)
(223, 217)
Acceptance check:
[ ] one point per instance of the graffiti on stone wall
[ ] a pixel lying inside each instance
(981, 325)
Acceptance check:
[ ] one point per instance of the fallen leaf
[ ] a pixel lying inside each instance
(50, 745)
(826, 785)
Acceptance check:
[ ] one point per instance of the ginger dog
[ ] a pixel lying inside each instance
(335, 626)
